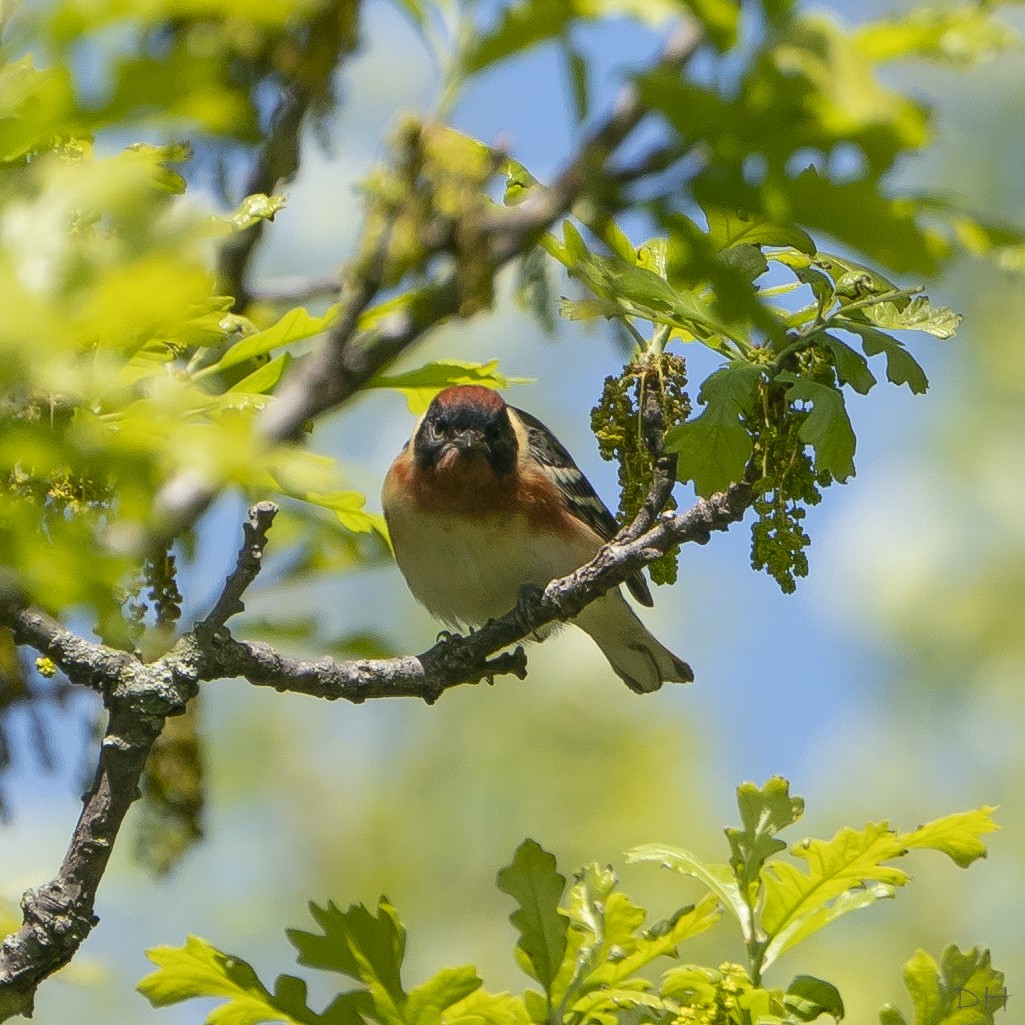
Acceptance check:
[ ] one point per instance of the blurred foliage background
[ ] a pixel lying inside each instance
(889, 686)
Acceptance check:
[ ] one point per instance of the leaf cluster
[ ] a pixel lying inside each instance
(584, 945)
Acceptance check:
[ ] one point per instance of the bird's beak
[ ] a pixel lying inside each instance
(468, 442)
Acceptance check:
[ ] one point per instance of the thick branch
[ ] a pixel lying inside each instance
(60, 914)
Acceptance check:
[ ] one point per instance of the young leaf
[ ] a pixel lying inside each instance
(427, 1002)
(661, 940)
(811, 923)
(850, 861)
(728, 228)
(264, 378)
(917, 315)
(348, 507)
(955, 835)
(199, 969)
(901, 366)
(764, 811)
(482, 1008)
(828, 427)
(718, 878)
(606, 944)
(959, 35)
(252, 209)
(851, 366)
(807, 997)
(365, 947)
(714, 448)
(963, 989)
(294, 326)
(421, 385)
(533, 881)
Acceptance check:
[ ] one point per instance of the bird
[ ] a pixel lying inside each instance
(483, 500)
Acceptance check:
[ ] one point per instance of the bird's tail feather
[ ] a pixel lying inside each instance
(639, 660)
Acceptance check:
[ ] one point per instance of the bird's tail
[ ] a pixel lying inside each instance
(640, 661)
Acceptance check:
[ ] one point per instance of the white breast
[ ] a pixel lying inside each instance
(466, 571)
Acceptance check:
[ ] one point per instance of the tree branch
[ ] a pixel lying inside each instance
(60, 914)
(250, 562)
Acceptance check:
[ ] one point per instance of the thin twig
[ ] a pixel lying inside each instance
(250, 560)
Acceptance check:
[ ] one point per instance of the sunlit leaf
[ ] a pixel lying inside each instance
(200, 970)
(718, 878)
(957, 34)
(963, 989)
(365, 947)
(537, 887)
(293, 327)
(955, 835)
(421, 385)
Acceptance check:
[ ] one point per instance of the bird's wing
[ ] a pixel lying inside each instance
(581, 499)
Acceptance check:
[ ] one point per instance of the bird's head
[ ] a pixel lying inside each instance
(466, 423)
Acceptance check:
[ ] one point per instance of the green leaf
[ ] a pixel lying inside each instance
(294, 326)
(450, 986)
(522, 26)
(718, 878)
(264, 378)
(348, 507)
(811, 923)
(714, 448)
(851, 861)
(365, 947)
(958, 35)
(901, 366)
(636, 290)
(421, 385)
(917, 315)
(764, 811)
(481, 1008)
(720, 18)
(533, 881)
(728, 228)
(828, 428)
(963, 989)
(955, 835)
(807, 997)
(746, 260)
(851, 366)
(883, 228)
(526, 23)
(889, 1015)
(577, 73)
(628, 957)
(34, 107)
(254, 208)
(607, 1005)
(199, 969)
